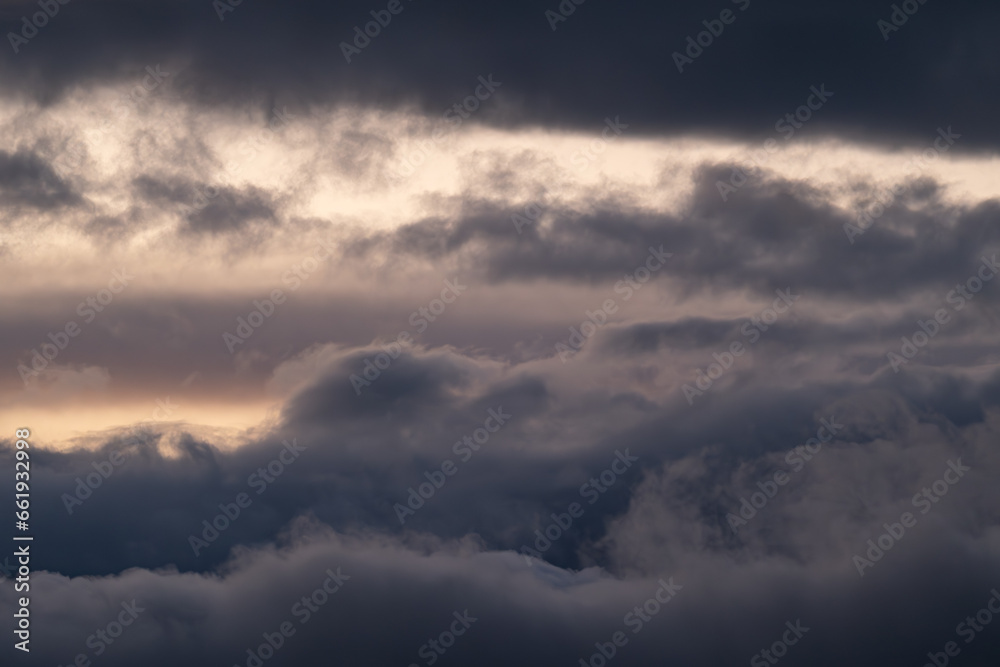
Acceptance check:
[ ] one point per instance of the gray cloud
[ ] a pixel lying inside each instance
(379, 460)
(26, 180)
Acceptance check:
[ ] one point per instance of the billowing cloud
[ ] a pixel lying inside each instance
(540, 334)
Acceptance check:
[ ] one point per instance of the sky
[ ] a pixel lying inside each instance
(542, 333)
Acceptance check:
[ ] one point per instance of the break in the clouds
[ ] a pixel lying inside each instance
(566, 333)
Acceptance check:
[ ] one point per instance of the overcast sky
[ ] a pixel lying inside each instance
(516, 333)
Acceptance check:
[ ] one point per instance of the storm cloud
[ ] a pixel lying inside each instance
(567, 333)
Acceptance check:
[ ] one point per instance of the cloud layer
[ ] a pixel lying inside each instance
(506, 341)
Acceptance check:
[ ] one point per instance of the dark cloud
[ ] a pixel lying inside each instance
(792, 562)
(771, 234)
(625, 447)
(603, 60)
(210, 209)
(26, 180)
(363, 453)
